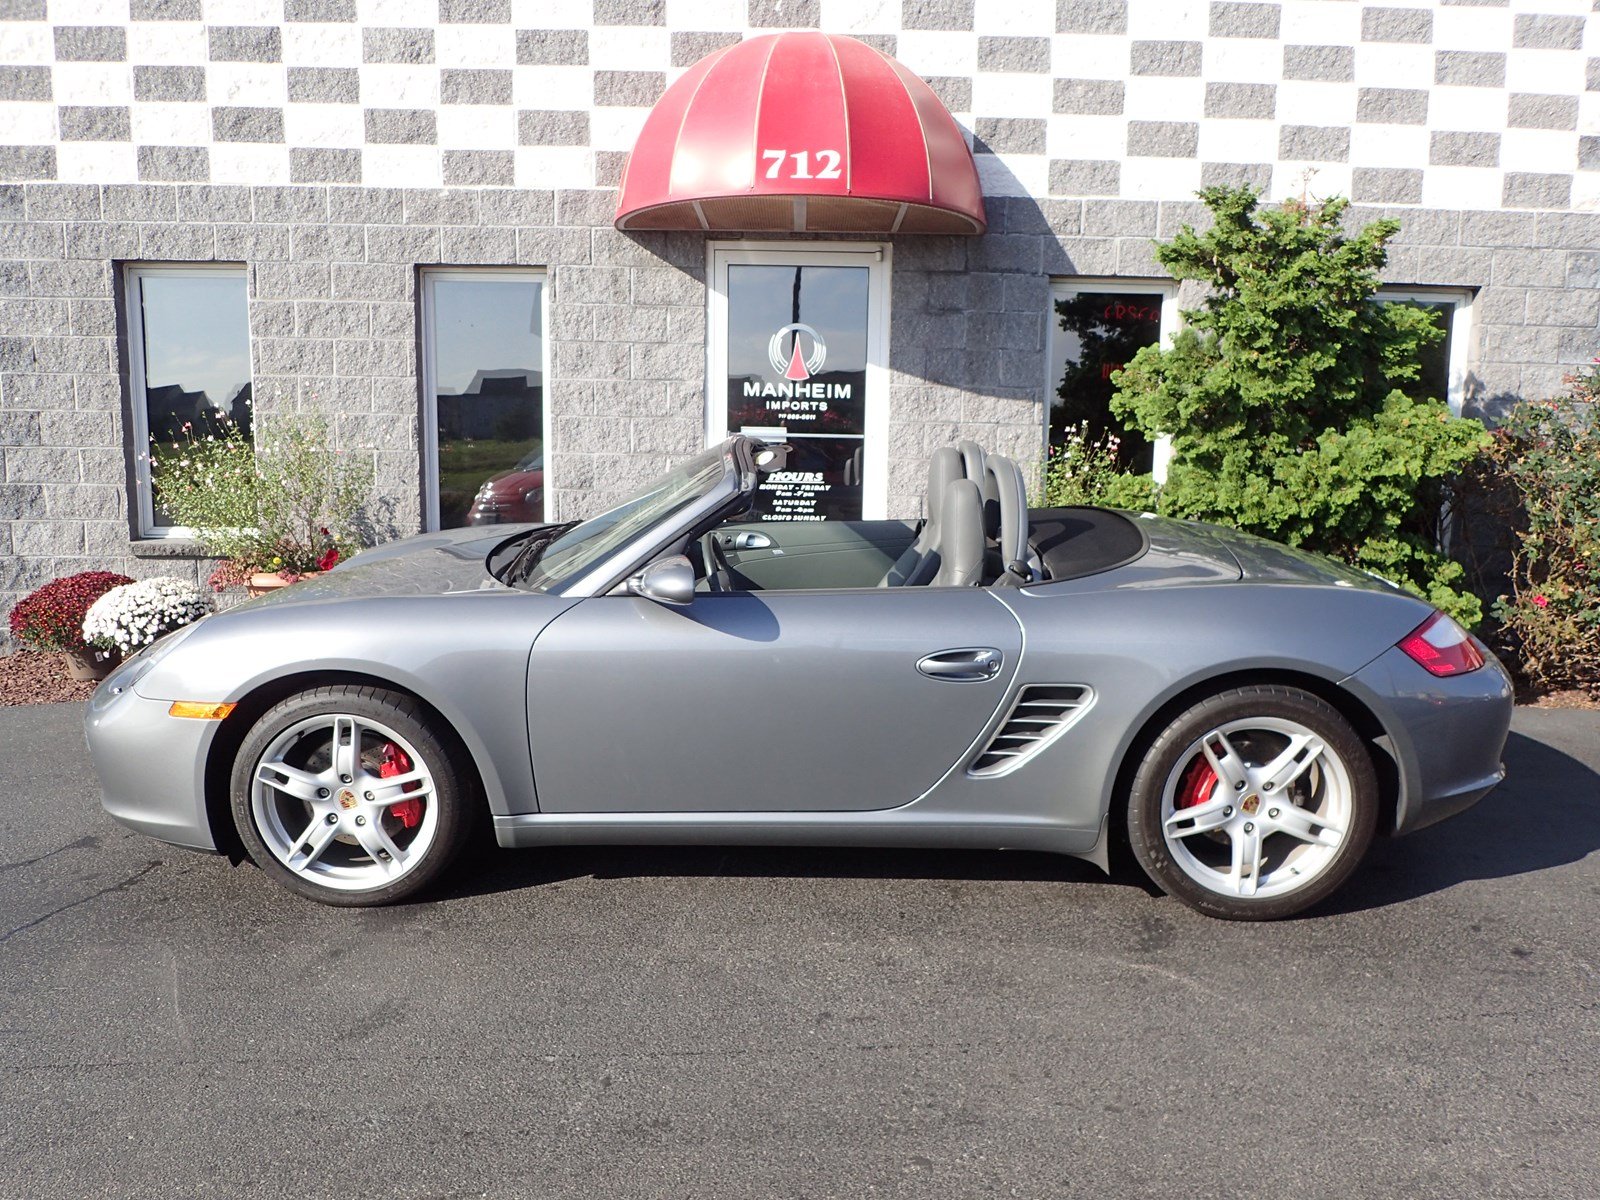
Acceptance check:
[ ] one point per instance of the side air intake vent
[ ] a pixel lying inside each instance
(1042, 713)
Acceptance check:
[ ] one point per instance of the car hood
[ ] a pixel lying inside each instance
(512, 480)
(429, 564)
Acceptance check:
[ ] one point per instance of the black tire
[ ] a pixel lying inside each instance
(1338, 781)
(450, 812)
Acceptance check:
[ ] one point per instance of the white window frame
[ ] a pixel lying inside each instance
(430, 392)
(1061, 287)
(1458, 332)
(877, 257)
(138, 402)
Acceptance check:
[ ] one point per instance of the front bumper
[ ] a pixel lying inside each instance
(1448, 734)
(151, 766)
(509, 512)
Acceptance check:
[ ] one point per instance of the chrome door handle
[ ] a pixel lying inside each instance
(969, 664)
(751, 541)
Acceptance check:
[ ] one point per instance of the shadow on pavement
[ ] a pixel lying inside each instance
(495, 870)
(1545, 815)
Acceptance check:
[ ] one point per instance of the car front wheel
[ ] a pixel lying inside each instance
(349, 796)
(1254, 804)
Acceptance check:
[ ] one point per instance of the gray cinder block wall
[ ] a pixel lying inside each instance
(335, 149)
(333, 320)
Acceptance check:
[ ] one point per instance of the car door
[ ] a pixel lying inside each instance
(767, 701)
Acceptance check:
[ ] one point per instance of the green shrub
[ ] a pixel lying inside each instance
(1550, 451)
(1290, 395)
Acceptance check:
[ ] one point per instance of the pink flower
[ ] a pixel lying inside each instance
(1541, 602)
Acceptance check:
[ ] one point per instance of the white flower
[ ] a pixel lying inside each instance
(135, 614)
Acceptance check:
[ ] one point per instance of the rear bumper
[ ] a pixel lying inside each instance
(151, 766)
(1448, 734)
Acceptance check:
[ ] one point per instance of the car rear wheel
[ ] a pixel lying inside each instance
(1254, 804)
(348, 795)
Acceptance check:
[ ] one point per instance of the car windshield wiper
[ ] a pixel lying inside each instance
(528, 556)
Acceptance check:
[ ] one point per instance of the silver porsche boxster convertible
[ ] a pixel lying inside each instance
(1241, 717)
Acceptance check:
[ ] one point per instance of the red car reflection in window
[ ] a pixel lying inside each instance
(512, 496)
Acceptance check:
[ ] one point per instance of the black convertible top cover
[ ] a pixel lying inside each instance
(1074, 542)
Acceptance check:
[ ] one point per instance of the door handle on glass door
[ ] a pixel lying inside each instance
(969, 664)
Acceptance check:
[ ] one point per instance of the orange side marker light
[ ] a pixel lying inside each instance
(197, 711)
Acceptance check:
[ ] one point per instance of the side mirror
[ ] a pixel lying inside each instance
(669, 581)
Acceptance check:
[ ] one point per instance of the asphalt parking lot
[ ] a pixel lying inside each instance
(691, 1023)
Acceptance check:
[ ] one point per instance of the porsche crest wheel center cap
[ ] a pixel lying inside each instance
(1251, 803)
(347, 798)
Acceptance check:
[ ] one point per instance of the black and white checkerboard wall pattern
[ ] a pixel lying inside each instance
(1469, 105)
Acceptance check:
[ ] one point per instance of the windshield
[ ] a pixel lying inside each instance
(584, 546)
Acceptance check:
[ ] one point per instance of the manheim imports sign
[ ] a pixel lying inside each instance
(800, 366)
(797, 366)
(793, 392)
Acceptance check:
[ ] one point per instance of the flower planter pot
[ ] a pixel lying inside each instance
(263, 582)
(90, 664)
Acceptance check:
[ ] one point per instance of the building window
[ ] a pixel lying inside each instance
(1444, 364)
(189, 368)
(1097, 325)
(483, 366)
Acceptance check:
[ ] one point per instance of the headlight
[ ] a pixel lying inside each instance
(136, 668)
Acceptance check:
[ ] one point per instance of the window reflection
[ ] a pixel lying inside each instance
(1099, 332)
(1433, 383)
(488, 388)
(194, 355)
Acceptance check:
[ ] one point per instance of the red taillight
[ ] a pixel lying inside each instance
(1441, 647)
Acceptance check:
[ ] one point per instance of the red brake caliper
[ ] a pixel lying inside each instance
(1198, 782)
(397, 762)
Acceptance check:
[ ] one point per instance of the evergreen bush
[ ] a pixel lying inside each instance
(1291, 395)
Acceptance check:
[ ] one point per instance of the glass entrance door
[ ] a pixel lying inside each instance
(798, 354)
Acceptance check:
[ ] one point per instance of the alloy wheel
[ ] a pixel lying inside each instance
(1256, 807)
(345, 802)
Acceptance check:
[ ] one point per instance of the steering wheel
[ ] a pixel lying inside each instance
(716, 564)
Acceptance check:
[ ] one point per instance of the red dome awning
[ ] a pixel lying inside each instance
(795, 132)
